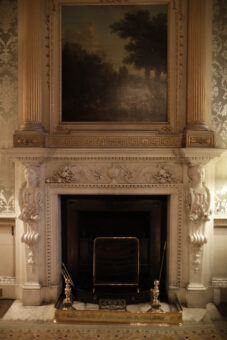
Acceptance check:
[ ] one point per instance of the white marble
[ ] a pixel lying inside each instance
(112, 172)
(145, 307)
(210, 313)
(85, 306)
(140, 307)
(46, 312)
(19, 312)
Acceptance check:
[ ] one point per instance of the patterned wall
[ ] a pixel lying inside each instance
(219, 99)
(8, 99)
(219, 72)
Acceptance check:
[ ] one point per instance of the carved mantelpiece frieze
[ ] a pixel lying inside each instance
(119, 173)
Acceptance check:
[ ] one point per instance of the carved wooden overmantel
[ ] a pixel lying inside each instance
(40, 84)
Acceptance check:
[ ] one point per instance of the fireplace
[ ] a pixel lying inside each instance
(132, 159)
(110, 193)
(94, 224)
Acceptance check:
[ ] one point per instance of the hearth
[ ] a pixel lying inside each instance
(125, 233)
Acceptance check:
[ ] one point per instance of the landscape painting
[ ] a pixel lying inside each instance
(114, 63)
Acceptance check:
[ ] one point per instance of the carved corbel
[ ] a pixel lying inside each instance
(198, 213)
(197, 200)
(30, 209)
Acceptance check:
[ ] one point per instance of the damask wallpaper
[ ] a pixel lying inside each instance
(8, 100)
(219, 72)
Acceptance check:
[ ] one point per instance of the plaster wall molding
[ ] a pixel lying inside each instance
(7, 280)
(219, 282)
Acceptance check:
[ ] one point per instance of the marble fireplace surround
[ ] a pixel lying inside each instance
(56, 172)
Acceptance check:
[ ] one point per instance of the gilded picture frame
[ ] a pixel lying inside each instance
(118, 131)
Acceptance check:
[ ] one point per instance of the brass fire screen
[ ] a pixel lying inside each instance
(116, 261)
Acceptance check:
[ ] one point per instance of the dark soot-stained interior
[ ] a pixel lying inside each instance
(112, 245)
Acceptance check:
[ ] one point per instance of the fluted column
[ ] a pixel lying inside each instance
(197, 133)
(196, 65)
(30, 132)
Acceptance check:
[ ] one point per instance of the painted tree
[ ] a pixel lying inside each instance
(147, 46)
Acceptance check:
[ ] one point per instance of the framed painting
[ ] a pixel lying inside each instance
(114, 63)
(117, 65)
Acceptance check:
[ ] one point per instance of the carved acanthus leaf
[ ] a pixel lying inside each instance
(221, 202)
(7, 201)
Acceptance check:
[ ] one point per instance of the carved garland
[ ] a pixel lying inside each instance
(112, 174)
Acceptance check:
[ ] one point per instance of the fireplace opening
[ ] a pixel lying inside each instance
(122, 265)
(112, 245)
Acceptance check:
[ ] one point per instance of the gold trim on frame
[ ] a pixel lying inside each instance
(176, 90)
